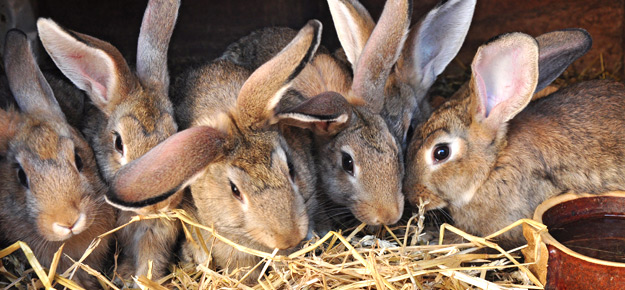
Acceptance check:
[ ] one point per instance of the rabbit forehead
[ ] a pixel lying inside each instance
(368, 131)
(141, 131)
(257, 154)
(152, 113)
(45, 139)
(450, 117)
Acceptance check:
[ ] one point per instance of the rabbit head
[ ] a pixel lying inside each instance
(360, 157)
(239, 169)
(51, 192)
(395, 64)
(557, 50)
(133, 111)
(453, 152)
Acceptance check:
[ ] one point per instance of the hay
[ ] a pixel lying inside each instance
(393, 259)
(398, 258)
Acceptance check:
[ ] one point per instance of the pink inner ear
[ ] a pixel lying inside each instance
(90, 71)
(500, 76)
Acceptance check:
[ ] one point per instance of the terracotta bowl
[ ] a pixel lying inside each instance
(589, 226)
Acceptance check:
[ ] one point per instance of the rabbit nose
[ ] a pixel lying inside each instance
(387, 215)
(75, 227)
(287, 241)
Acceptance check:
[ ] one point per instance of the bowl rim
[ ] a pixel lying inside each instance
(550, 240)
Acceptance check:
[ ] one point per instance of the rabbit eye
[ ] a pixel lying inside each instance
(409, 133)
(235, 191)
(441, 152)
(78, 161)
(291, 169)
(119, 145)
(21, 175)
(348, 163)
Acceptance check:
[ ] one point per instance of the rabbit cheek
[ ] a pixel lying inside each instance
(419, 193)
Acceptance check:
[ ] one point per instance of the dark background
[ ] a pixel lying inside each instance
(205, 28)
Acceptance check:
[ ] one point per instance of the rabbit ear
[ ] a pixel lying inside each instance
(504, 77)
(166, 168)
(434, 42)
(381, 52)
(93, 65)
(325, 114)
(30, 89)
(558, 49)
(353, 26)
(156, 29)
(262, 91)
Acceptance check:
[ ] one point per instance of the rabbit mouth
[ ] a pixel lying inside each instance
(61, 231)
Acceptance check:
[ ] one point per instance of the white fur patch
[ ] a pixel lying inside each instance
(275, 99)
(308, 119)
(220, 122)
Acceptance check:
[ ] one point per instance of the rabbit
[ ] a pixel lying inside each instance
(491, 156)
(130, 114)
(360, 158)
(243, 178)
(51, 191)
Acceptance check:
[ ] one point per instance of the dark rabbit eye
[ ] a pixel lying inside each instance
(21, 175)
(78, 161)
(235, 191)
(441, 152)
(291, 169)
(119, 145)
(409, 133)
(348, 163)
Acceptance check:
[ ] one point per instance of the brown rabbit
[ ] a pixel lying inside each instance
(491, 158)
(51, 191)
(244, 179)
(359, 161)
(131, 113)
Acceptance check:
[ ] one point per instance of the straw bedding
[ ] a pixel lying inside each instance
(409, 256)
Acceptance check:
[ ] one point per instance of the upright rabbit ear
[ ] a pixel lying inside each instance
(381, 52)
(558, 49)
(325, 114)
(156, 29)
(262, 91)
(353, 26)
(504, 77)
(434, 42)
(166, 168)
(30, 89)
(93, 65)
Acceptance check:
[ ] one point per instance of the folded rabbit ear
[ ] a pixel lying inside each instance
(325, 114)
(353, 26)
(504, 77)
(93, 65)
(263, 90)
(166, 168)
(30, 89)
(558, 49)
